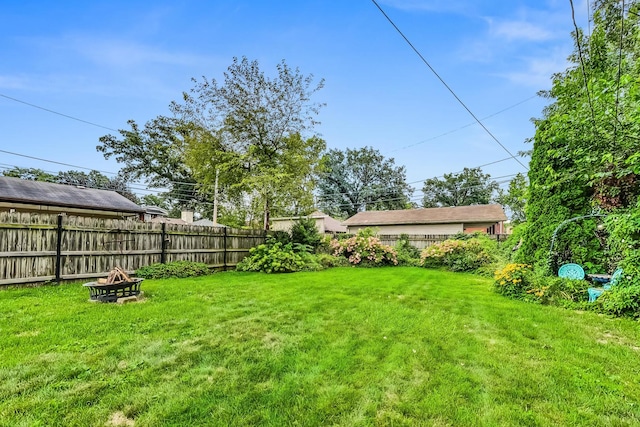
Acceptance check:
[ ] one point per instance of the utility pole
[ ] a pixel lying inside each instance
(215, 199)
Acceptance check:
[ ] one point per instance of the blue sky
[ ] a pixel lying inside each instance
(109, 61)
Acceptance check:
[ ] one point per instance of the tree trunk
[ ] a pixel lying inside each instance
(266, 214)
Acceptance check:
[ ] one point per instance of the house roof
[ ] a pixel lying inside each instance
(466, 214)
(155, 210)
(46, 193)
(332, 225)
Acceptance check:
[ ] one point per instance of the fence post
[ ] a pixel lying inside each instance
(163, 246)
(59, 249)
(224, 253)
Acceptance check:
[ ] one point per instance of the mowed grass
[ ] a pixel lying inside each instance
(346, 346)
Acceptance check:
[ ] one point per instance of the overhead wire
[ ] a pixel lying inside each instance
(447, 86)
(56, 112)
(465, 126)
(582, 67)
(616, 118)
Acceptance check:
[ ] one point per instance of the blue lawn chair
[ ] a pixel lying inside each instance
(571, 271)
(594, 293)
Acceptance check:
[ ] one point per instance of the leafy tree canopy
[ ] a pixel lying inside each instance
(515, 198)
(253, 131)
(469, 187)
(357, 179)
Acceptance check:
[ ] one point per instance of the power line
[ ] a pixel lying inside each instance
(465, 126)
(615, 121)
(82, 167)
(54, 161)
(584, 73)
(58, 113)
(447, 86)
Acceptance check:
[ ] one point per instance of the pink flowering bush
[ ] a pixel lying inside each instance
(364, 250)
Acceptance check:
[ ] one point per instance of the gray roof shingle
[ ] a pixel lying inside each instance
(468, 214)
(50, 194)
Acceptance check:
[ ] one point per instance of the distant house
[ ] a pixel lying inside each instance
(461, 219)
(18, 195)
(205, 222)
(152, 212)
(324, 223)
(186, 218)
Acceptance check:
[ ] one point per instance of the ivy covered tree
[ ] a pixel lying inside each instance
(585, 155)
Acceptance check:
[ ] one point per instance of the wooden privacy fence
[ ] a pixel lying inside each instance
(41, 247)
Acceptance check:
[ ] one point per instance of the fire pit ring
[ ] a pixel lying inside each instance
(111, 292)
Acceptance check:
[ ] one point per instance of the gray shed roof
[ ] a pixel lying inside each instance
(465, 214)
(50, 194)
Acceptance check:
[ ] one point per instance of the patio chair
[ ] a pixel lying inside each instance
(594, 293)
(571, 271)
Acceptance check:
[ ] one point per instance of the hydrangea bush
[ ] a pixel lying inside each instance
(364, 250)
(457, 255)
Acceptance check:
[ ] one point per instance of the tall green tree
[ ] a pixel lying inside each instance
(253, 132)
(257, 133)
(361, 179)
(155, 154)
(585, 153)
(469, 187)
(515, 198)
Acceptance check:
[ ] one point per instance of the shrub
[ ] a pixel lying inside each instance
(565, 292)
(407, 254)
(273, 257)
(624, 244)
(514, 280)
(328, 260)
(364, 249)
(520, 281)
(621, 301)
(280, 236)
(305, 232)
(458, 255)
(178, 269)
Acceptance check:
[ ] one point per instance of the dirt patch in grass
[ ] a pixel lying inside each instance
(119, 419)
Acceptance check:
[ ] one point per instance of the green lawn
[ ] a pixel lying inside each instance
(347, 346)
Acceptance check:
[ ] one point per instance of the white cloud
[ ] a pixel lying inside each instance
(14, 82)
(122, 53)
(537, 71)
(520, 30)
